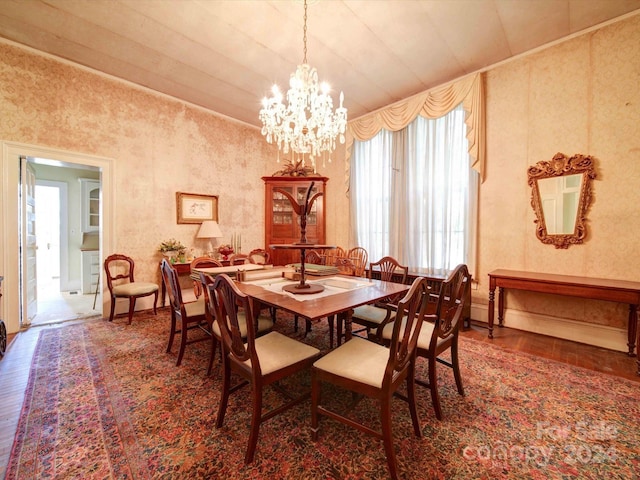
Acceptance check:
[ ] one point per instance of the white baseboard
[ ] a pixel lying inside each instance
(582, 332)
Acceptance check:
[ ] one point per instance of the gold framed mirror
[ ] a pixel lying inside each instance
(560, 197)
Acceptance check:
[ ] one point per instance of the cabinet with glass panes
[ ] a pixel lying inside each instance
(282, 224)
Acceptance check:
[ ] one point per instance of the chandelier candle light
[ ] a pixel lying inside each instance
(308, 124)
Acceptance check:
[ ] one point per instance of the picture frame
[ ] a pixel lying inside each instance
(196, 208)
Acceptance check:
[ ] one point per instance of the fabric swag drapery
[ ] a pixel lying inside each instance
(430, 104)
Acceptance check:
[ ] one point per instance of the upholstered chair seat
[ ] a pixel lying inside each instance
(135, 289)
(276, 352)
(264, 325)
(358, 359)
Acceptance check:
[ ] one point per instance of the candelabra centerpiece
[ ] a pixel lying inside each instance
(302, 209)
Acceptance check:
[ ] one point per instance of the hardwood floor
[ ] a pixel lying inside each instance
(14, 367)
(586, 356)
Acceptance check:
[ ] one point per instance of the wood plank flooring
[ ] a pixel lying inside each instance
(14, 367)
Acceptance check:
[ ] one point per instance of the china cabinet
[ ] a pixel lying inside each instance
(282, 224)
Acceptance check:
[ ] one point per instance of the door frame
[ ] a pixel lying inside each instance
(9, 246)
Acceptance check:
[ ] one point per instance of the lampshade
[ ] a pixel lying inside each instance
(209, 229)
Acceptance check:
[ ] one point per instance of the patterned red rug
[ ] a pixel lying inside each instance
(104, 400)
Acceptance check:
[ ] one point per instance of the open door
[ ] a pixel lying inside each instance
(28, 248)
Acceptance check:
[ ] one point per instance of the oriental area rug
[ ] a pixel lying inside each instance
(105, 401)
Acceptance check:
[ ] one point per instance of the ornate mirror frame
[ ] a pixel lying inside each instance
(559, 166)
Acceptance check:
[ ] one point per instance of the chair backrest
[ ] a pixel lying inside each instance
(117, 269)
(227, 300)
(330, 255)
(206, 281)
(313, 257)
(451, 303)
(411, 313)
(205, 262)
(345, 266)
(359, 257)
(239, 259)
(259, 256)
(172, 284)
(387, 267)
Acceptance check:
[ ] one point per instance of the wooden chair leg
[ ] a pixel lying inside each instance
(331, 321)
(183, 342)
(433, 386)
(214, 344)
(411, 396)
(387, 436)
(155, 303)
(256, 419)
(456, 367)
(132, 307)
(307, 326)
(113, 308)
(172, 333)
(226, 385)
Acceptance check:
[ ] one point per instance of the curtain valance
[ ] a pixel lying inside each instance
(430, 104)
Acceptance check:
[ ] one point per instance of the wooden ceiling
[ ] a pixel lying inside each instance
(224, 55)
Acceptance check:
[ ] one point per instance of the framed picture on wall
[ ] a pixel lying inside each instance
(194, 208)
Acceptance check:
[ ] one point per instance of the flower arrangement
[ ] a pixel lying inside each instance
(171, 245)
(225, 251)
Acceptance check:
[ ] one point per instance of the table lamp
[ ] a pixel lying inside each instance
(209, 229)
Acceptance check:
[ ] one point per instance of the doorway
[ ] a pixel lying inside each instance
(14, 305)
(57, 300)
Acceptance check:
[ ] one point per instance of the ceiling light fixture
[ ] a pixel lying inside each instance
(308, 124)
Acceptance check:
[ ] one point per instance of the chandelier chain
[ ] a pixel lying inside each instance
(304, 34)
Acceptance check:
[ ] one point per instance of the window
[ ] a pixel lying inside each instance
(414, 194)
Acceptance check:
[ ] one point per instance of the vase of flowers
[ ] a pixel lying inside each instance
(172, 249)
(225, 251)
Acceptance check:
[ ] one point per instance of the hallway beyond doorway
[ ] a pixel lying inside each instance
(55, 306)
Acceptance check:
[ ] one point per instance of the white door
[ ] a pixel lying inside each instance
(28, 242)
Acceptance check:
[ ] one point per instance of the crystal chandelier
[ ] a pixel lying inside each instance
(308, 124)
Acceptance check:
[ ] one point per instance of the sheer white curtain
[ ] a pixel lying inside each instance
(414, 195)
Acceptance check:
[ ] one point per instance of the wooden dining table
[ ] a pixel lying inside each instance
(315, 309)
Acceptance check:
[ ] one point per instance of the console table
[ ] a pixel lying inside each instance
(621, 291)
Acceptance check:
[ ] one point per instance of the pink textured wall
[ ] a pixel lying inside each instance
(159, 145)
(580, 96)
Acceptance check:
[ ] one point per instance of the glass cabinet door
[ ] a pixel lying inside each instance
(90, 204)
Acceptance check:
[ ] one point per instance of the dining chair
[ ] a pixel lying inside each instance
(261, 361)
(359, 256)
(239, 259)
(440, 331)
(259, 256)
(331, 254)
(369, 369)
(373, 315)
(118, 271)
(185, 316)
(345, 266)
(313, 257)
(265, 324)
(203, 262)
